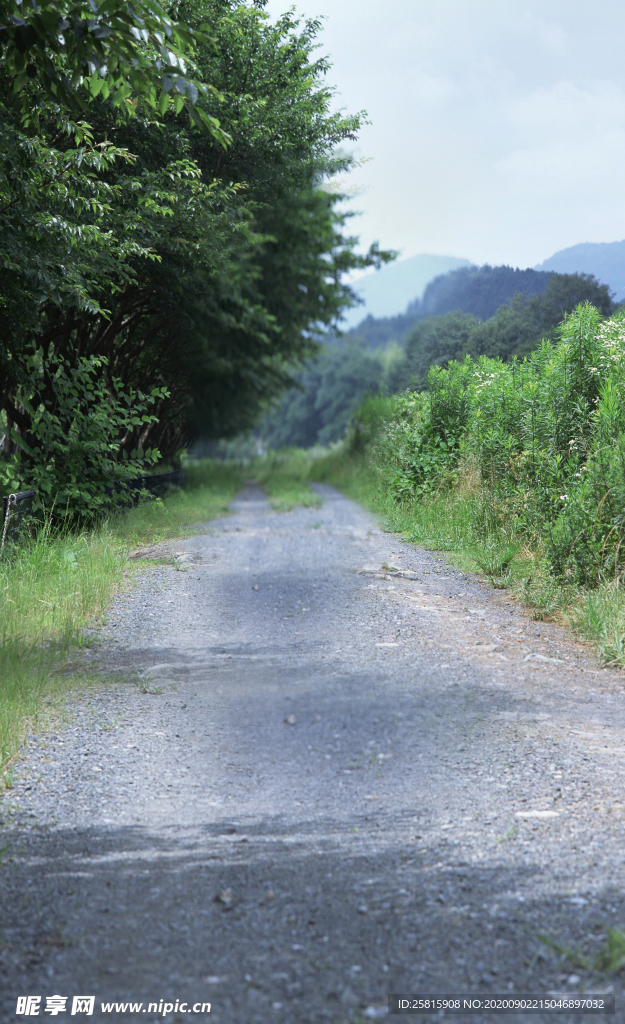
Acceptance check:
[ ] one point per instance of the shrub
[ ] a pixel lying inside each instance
(547, 435)
(72, 454)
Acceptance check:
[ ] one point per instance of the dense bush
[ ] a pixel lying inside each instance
(513, 330)
(73, 457)
(193, 261)
(546, 436)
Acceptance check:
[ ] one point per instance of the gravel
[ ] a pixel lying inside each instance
(311, 780)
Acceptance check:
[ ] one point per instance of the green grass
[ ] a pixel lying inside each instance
(57, 582)
(610, 958)
(283, 476)
(210, 489)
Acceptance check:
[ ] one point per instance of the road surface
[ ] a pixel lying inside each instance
(312, 781)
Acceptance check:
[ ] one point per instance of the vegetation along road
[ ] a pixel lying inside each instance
(314, 781)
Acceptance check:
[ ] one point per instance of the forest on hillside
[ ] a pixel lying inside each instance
(498, 312)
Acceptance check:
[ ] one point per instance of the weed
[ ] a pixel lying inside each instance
(495, 559)
(283, 476)
(55, 583)
(144, 687)
(609, 960)
(572, 955)
(112, 724)
(510, 834)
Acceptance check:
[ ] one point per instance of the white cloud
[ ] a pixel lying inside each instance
(551, 35)
(498, 126)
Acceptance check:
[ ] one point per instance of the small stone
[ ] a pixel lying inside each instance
(225, 897)
(348, 997)
(291, 720)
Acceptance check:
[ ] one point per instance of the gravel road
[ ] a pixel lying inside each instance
(312, 781)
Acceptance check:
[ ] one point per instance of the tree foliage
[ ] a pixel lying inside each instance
(67, 447)
(195, 266)
(479, 290)
(76, 51)
(515, 330)
(329, 391)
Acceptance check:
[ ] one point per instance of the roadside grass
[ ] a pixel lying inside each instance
(55, 582)
(453, 522)
(26, 673)
(210, 488)
(353, 475)
(609, 959)
(283, 475)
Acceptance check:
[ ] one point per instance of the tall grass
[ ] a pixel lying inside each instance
(516, 470)
(211, 485)
(56, 581)
(284, 478)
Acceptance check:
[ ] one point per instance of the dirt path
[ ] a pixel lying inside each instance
(326, 783)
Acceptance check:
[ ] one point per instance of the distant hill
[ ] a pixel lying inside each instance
(493, 311)
(605, 260)
(479, 291)
(388, 291)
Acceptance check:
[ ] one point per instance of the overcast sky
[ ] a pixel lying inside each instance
(497, 126)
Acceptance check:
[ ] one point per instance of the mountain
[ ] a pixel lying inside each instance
(605, 260)
(388, 291)
(479, 291)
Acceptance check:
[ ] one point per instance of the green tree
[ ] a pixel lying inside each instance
(75, 51)
(434, 341)
(179, 264)
(516, 328)
(329, 391)
(70, 451)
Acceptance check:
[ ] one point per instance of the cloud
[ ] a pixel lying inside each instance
(498, 127)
